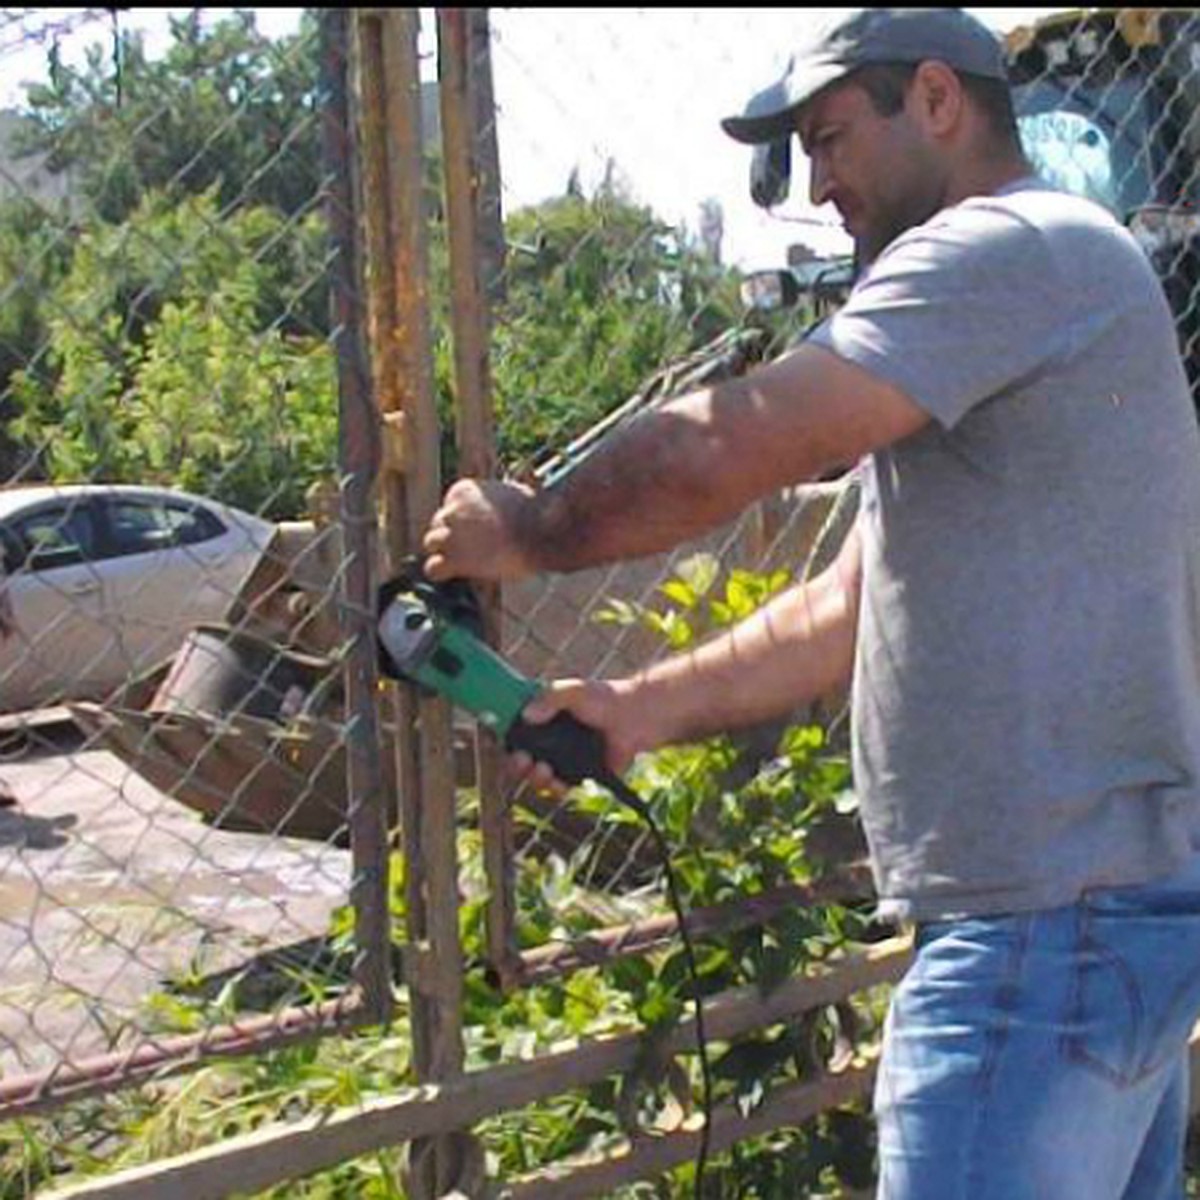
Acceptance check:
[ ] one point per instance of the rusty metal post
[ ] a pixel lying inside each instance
(492, 246)
(358, 463)
(471, 166)
(397, 268)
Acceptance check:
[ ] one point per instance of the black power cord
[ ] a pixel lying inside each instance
(576, 752)
(627, 796)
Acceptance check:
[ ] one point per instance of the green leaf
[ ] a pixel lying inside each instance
(617, 612)
(699, 572)
(680, 592)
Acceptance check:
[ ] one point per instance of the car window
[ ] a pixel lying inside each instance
(141, 526)
(191, 524)
(55, 537)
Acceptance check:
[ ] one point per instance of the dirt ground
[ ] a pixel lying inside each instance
(108, 889)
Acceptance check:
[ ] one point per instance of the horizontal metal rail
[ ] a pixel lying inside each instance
(25, 1095)
(555, 960)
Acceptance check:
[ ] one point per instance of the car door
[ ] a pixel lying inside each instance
(60, 640)
(167, 571)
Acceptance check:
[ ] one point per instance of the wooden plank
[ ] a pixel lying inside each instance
(652, 1154)
(282, 1152)
(35, 718)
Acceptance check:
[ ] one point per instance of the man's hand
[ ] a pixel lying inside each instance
(607, 705)
(474, 534)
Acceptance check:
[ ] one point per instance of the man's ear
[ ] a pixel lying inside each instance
(937, 97)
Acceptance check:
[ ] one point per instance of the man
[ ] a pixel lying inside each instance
(1016, 607)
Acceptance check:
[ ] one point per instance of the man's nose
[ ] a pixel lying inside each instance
(820, 181)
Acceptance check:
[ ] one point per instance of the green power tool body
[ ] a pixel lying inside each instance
(431, 634)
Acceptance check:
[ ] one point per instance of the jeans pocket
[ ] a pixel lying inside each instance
(1136, 987)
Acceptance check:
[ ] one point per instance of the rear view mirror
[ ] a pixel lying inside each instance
(769, 291)
(771, 172)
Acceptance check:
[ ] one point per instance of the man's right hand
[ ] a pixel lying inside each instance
(474, 534)
(609, 706)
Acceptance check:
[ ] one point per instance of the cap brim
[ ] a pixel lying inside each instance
(771, 113)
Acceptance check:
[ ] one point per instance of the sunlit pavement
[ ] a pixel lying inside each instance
(109, 890)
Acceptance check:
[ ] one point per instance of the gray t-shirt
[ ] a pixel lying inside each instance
(1026, 693)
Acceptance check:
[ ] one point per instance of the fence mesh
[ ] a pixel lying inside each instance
(174, 836)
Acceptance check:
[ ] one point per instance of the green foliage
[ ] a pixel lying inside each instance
(166, 365)
(736, 840)
(34, 256)
(196, 182)
(601, 294)
(224, 107)
(697, 609)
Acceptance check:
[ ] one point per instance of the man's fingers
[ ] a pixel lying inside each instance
(523, 770)
(435, 539)
(436, 568)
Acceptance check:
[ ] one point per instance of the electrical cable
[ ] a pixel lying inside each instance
(627, 796)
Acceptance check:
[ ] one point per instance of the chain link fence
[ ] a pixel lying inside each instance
(176, 826)
(191, 862)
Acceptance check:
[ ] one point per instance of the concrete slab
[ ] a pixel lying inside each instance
(108, 888)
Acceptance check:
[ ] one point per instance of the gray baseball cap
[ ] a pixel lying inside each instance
(867, 35)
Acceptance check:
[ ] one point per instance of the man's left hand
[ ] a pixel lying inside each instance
(474, 534)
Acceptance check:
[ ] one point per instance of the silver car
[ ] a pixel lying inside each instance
(99, 582)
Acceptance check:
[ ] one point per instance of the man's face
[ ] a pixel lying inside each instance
(881, 173)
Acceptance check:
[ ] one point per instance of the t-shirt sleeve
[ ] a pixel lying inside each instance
(957, 311)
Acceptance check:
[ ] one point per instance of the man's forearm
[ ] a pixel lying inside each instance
(682, 469)
(653, 484)
(796, 649)
(698, 460)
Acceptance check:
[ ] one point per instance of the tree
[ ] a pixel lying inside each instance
(601, 294)
(34, 257)
(224, 107)
(175, 358)
(200, 232)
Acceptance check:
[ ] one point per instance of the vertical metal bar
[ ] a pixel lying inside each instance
(386, 369)
(492, 247)
(398, 274)
(385, 372)
(462, 56)
(422, 477)
(358, 464)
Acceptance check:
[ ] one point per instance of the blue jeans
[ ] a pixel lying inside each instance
(1043, 1055)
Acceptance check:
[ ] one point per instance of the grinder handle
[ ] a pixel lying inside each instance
(573, 750)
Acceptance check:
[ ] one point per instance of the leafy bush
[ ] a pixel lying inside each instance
(728, 842)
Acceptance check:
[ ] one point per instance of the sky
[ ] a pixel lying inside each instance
(576, 88)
